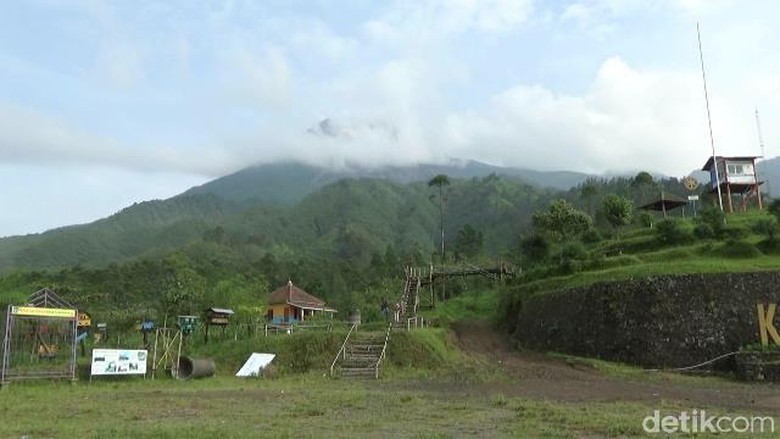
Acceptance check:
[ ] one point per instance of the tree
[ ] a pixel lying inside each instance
(588, 192)
(468, 242)
(561, 221)
(440, 181)
(618, 210)
(644, 185)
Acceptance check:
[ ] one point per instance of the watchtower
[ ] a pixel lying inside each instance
(735, 176)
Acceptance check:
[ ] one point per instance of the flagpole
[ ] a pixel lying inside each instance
(709, 120)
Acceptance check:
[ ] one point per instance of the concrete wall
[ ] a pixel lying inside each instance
(670, 321)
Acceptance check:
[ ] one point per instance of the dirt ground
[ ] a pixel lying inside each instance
(554, 378)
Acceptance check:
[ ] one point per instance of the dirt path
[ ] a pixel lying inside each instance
(547, 377)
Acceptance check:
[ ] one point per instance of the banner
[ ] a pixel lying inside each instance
(43, 312)
(118, 362)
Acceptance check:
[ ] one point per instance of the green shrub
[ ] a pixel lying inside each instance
(535, 249)
(592, 236)
(732, 233)
(739, 249)
(644, 219)
(669, 232)
(704, 231)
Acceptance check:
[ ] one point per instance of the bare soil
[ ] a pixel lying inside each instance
(539, 376)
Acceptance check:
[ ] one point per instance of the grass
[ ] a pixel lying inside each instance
(303, 406)
(478, 304)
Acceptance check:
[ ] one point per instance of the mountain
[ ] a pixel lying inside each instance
(293, 209)
(288, 183)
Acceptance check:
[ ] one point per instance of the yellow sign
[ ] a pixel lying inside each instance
(766, 324)
(43, 312)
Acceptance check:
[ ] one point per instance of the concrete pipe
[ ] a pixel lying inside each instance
(195, 367)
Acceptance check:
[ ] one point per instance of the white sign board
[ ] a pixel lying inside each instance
(693, 197)
(254, 364)
(118, 362)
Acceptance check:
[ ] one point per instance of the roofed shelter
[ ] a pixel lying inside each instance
(735, 175)
(291, 304)
(665, 203)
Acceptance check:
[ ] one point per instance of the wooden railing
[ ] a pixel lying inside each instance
(384, 349)
(343, 350)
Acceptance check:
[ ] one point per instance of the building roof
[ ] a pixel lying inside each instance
(221, 310)
(665, 202)
(708, 165)
(295, 296)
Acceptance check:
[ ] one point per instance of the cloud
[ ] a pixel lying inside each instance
(627, 120)
(29, 137)
(413, 22)
(258, 79)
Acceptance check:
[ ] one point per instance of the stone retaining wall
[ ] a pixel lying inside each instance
(669, 321)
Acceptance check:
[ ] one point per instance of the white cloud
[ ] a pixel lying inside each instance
(414, 22)
(29, 137)
(261, 79)
(627, 120)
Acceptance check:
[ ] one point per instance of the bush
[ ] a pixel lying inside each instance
(535, 249)
(739, 249)
(714, 218)
(592, 236)
(704, 231)
(732, 233)
(669, 232)
(644, 219)
(766, 226)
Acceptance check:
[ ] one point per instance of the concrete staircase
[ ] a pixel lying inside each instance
(362, 355)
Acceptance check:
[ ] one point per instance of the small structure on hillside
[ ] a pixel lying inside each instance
(290, 304)
(40, 339)
(217, 317)
(664, 203)
(735, 176)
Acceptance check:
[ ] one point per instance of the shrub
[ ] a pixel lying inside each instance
(739, 249)
(703, 231)
(535, 249)
(669, 232)
(592, 236)
(714, 218)
(766, 226)
(644, 219)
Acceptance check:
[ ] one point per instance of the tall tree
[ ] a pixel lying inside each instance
(618, 210)
(588, 192)
(440, 182)
(468, 242)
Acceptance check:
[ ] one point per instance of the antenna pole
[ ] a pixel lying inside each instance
(763, 154)
(709, 120)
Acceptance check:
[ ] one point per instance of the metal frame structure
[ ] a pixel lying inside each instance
(43, 308)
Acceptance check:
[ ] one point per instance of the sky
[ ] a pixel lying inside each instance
(107, 103)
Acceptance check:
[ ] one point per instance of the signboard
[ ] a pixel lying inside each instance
(33, 311)
(693, 197)
(255, 364)
(118, 362)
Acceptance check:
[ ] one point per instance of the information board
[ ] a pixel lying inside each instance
(118, 362)
(255, 364)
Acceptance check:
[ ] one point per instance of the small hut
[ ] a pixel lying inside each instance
(291, 304)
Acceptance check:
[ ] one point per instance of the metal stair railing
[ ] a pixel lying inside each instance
(343, 350)
(384, 349)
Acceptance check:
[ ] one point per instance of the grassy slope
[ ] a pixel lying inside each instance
(638, 254)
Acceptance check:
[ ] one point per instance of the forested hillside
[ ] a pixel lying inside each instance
(348, 241)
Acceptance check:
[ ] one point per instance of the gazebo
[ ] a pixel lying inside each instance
(665, 203)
